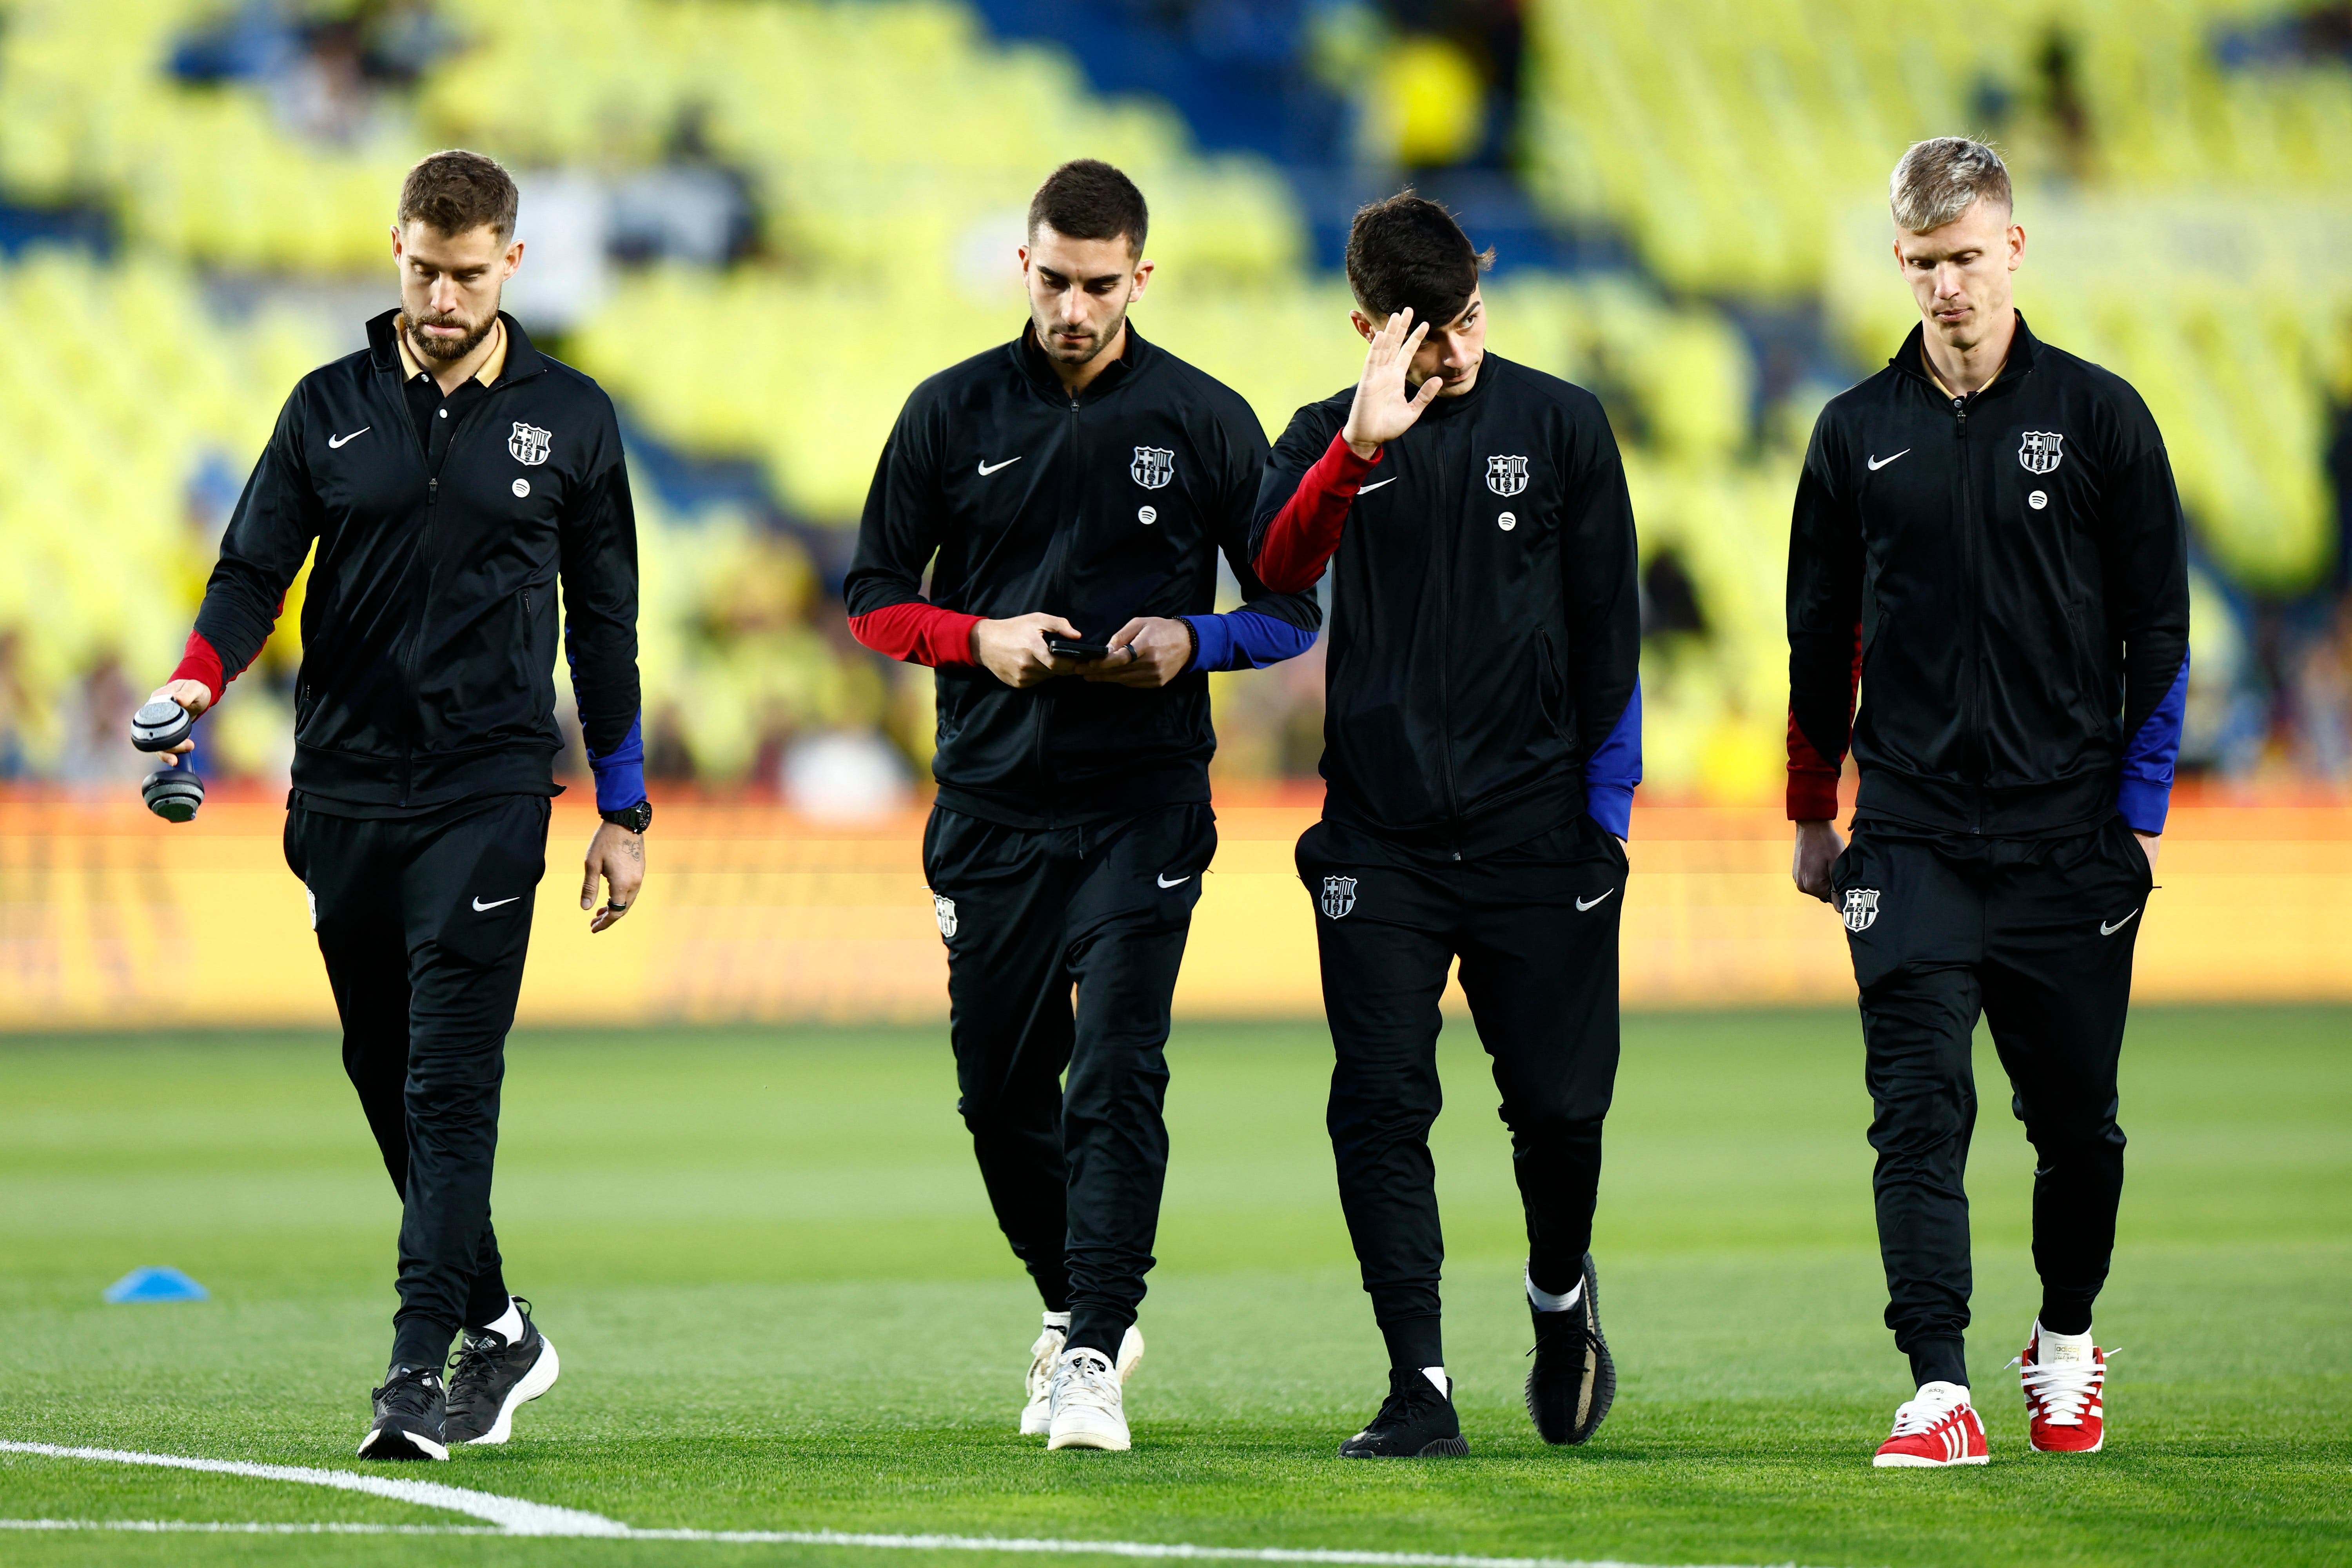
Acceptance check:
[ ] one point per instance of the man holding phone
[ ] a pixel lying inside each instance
(1073, 483)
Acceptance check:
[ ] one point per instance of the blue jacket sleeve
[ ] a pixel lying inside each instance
(2145, 795)
(1614, 769)
(620, 771)
(1246, 639)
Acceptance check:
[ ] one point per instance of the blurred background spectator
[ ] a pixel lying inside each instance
(760, 222)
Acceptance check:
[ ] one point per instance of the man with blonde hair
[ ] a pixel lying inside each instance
(1986, 539)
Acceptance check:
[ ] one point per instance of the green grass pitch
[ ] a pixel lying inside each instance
(780, 1302)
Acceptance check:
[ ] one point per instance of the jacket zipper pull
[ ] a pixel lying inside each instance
(1960, 416)
(432, 491)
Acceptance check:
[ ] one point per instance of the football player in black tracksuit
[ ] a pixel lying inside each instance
(1079, 484)
(1481, 745)
(452, 479)
(1987, 538)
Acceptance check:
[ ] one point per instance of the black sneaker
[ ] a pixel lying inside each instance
(1415, 1422)
(1573, 1382)
(492, 1379)
(409, 1413)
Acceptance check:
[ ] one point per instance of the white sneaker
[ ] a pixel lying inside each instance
(1037, 1413)
(1087, 1404)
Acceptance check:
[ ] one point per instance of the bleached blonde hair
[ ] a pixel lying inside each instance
(1939, 178)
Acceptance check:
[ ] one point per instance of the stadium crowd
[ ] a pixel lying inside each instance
(758, 222)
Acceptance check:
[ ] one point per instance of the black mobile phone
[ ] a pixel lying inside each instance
(1063, 647)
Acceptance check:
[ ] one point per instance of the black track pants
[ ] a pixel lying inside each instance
(2037, 935)
(1075, 1174)
(423, 923)
(1535, 930)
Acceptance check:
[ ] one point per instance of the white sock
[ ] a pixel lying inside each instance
(2053, 1348)
(1058, 1321)
(1436, 1375)
(1544, 1301)
(508, 1326)
(1958, 1395)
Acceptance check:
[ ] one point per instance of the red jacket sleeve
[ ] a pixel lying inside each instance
(918, 633)
(200, 662)
(1302, 537)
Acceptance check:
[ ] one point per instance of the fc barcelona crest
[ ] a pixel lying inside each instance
(1861, 908)
(529, 444)
(1153, 467)
(944, 907)
(2039, 452)
(1339, 896)
(1506, 476)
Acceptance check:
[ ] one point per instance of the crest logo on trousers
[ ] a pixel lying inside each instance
(1861, 908)
(1339, 896)
(944, 907)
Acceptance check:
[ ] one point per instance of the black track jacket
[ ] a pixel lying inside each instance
(1098, 508)
(429, 624)
(1485, 625)
(2007, 576)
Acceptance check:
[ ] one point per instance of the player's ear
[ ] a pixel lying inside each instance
(514, 258)
(2016, 245)
(1142, 278)
(1363, 325)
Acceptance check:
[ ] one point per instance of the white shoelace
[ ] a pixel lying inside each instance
(1084, 1380)
(2063, 1390)
(1915, 1415)
(1042, 1356)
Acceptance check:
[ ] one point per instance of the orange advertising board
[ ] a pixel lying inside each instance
(111, 917)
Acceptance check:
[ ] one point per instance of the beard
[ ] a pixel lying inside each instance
(1086, 352)
(448, 351)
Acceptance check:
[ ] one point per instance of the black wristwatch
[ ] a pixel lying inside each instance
(636, 818)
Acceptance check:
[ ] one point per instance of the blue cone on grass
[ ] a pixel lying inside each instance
(156, 1285)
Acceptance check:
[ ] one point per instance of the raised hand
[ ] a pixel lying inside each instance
(1383, 410)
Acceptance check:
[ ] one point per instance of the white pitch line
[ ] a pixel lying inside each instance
(517, 1517)
(202, 1527)
(513, 1515)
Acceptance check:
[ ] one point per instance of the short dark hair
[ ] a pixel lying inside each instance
(1086, 198)
(1408, 251)
(459, 190)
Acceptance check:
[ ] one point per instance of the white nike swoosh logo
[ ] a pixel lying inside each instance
(986, 469)
(1367, 490)
(1878, 463)
(334, 442)
(1178, 882)
(1582, 905)
(2107, 930)
(479, 907)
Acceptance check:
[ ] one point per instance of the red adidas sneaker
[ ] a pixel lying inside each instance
(2065, 1398)
(1934, 1428)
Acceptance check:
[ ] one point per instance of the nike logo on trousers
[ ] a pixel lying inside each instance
(2107, 930)
(1176, 881)
(335, 443)
(988, 469)
(1584, 904)
(481, 908)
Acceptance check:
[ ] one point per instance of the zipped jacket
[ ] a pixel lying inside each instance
(2006, 575)
(1020, 498)
(429, 625)
(1482, 684)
